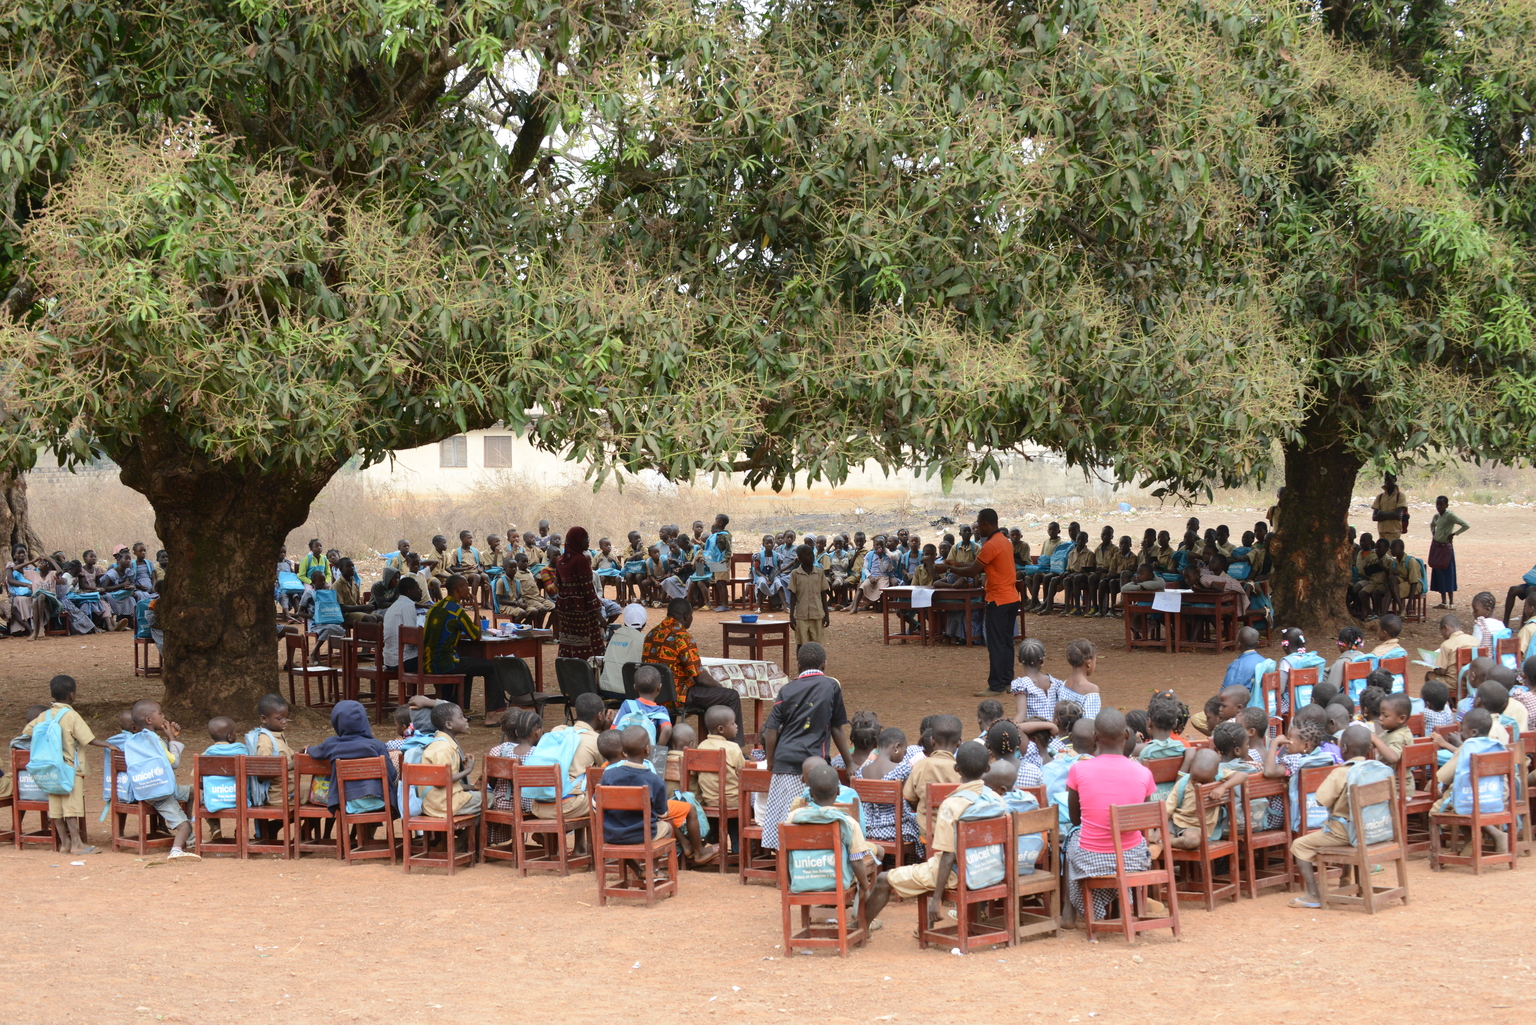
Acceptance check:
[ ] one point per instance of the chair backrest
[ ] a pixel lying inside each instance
(348, 769)
(534, 776)
(668, 695)
(1301, 682)
(937, 793)
(119, 764)
(880, 791)
(1359, 669)
(1206, 799)
(979, 845)
(607, 799)
(1257, 789)
(1037, 792)
(1398, 667)
(1494, 763)
(1421, 755)
(520, 681)
(1308, 779)
(304, 765)
(295, 643)
(1197, 743)
(695, 762)
(422, 775)
(811, 858)
(575, 677)
(498, 767)
(211, 795)
(1507, 646)
(38, 800)
(1269, 687)
(1037, 836)
(1164, 770)
(1416, 724)
(368, 633)
(753, 781)
(1376, 828)
(1131, 818)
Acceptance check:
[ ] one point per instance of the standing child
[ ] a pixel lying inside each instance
(809, 598)
(61, 719)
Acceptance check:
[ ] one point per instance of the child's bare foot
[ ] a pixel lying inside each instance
(706, 854)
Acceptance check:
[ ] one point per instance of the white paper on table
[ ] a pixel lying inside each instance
(922, 597)
(1167, 601)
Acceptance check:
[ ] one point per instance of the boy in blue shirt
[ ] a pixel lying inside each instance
(648, 689)
(627, 827)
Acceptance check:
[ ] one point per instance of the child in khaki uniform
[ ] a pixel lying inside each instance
(1184, 826)
(267, 741)
(75, 736)
(450, 723)
(808, 592)
(591, 719)
(938, 767)
(720, 721)
(1334, 796)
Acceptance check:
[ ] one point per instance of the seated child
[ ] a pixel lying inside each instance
(221, 730)
(449, 723)
(938, 767)
(824, 788)
(148, 716)
(1370, 706)
(1437, 699)
(521, 729)
(1392, 733)
(937, 873)
(1066, 715)
(267, 741)
(667, 816)
(1333, 795)
(1475, 738)
(892, 761)
(354, 739)
(1162, 718)
(1185, 830)
(720, 724)
(403, 728)
(1256, 724)
(610, 745)
(1338, 719)
(1232, 744)
(1205, 720)
(1136, 723)
(1494, 698)
(846, 795)
(987, 713)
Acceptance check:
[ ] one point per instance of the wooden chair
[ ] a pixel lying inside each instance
(971, 927)
(312, 822)
(46, 833)
(1145, 628)
(887, 792)
(1269, 687)
(1299, 684)
(1398, 667)
(448, 824)
(1494, 765)
(1359, 858)
(368, 639)
(820, 840)
(1039, 891)
(739, 587)
(550, 833)
(1205, 884)
(695, 762)
(142, 842)
(645, 853)
(146, 657)
(1256, 843)
(327, 679)
(749, 830)
(1458, 682)
(353, 770)
(498, 769)
(274, 769)
(9, 836)
(1416, 607)
(1507, 646)
(1356, 672)
(937, 794)
(1165, 773)
(1131, 818)
(1416, 724)
(1309, 778)
(1418, 788)
(228, 766)
(411, 684)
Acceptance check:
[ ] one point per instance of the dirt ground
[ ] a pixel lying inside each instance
(120, 938)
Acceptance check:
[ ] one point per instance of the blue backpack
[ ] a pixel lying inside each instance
(116, 740)
(289, 583)
(219, 792)
(150, 773)
(1490, 789)
(1317, 815)
(327, 609)
(633, 717)
(1375, 819)
(1357, 687)
(410, 754)
(1027, 846)
(1497, 634)
(1256, 809)
(984, 866)
(141, 627)
(1304, 660)
(815, 871)
(47, 767)
(557, 747)
(1256, 698)
(256, 789)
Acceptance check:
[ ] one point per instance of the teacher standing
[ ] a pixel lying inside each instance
(578, 613)
(1442, 553)
(1002, 595)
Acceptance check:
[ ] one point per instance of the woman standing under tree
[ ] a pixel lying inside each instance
(578, 613)
(1442, 553)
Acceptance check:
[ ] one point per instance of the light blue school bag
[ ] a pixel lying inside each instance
(816, 871)
(1256, 696)
(327, 609)
(1501, 633)
(984, 866)
(1490, 789)
(220, 792)
(150, 775)
(1357, 687)
(47, 767)
(116, 740)
(1317, 815)
(410, 754)
(558, 747)
(256, 789)
(634, 718)
(1028, 846)
(1053, 774)
(1304, 660)
(1375, 819)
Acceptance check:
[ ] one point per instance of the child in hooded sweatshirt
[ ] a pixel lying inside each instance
(354, 739)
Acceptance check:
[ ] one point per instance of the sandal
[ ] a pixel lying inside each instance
(1302, 902)
(707, 854)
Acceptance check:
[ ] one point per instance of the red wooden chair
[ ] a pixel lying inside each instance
(448, 824)
(45, 835)
(1360, 857)
(233, 841)
(1418, 788)
(887, 792)
(1492, 765)
(273, 769)
(146, 657)
(1397, 667)
(1308, 780)
(1201, 862)
(819, 840)
(938, 793)
(325, 679)
(417, 683)
(645, 853)
(354, 848)
(142, 842)
(971, 928)
(1130, 818)
(1258, 845)
(1039, 892)
(1269, 687)
(1458, 682)
(368, 640)
(695, 762)
(497, 770)
(550, 833)
(1354, 672)
(1299, 684)
(9, 836)
(764, 863)
(314, 821)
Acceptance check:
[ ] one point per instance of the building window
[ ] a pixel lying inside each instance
(498, 452)
(454, 451)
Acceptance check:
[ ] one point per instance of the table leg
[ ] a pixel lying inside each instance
(966, 612)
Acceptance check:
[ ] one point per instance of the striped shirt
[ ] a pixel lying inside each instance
(447, 623)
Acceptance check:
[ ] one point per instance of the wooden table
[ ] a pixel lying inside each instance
(898, 599)
(1221, 609)
(528, 646)
(755, 637)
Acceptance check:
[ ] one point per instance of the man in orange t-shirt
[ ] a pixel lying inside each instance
(995, 560)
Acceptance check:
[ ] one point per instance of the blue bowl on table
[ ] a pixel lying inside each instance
(746, 618)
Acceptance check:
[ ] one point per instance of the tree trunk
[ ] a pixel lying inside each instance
(14, 525)
(222, 526)
(1311, 548)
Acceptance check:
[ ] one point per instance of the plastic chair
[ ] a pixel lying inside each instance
(233, 842)
(819, 838)
(971, 928)
(1256, 843)
(311, 821)
(645, 853)
(145, 816)
(887, 792)
(1360, 857)
(448, 824)
(749, 830)
(1202, 861)
(1492, 765)
(45, 835)
(1130, 818)
(274, 769)
(575, 677)
(523, 685)
(348, 770)
(550, 832)
(695, 762)
(327, 679)
(1039, 893)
